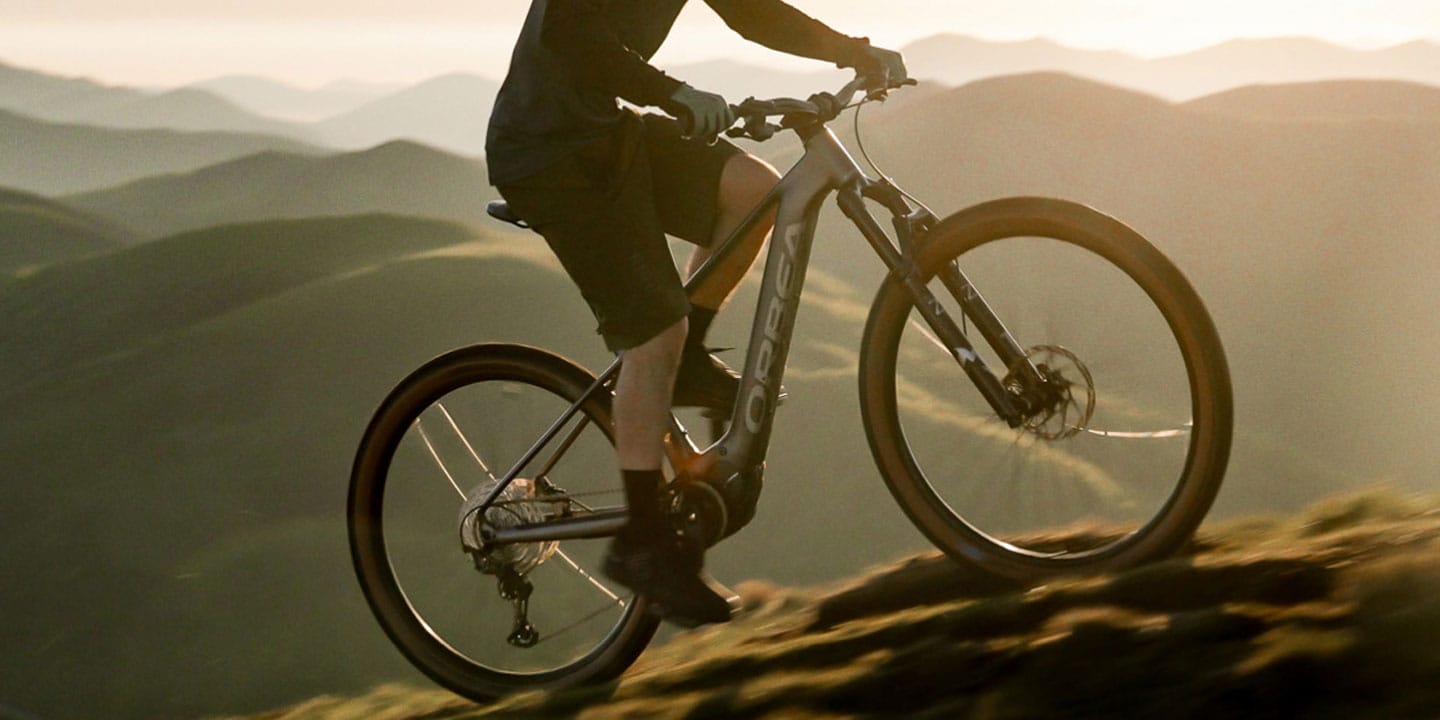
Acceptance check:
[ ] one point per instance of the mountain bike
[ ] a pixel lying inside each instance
(1088, 429)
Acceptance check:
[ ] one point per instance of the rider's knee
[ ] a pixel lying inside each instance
(745, 182)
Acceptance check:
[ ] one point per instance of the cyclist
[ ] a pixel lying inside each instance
(603, 184)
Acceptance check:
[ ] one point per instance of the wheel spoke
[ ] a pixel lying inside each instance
(928, 335)
(465, 440)
(424, 436)
(564, 445)
(469, 415)
(598, 585)
(1102, 451)
(587, 618)
(1151, 435)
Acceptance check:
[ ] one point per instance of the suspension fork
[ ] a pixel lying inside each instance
(901, 261)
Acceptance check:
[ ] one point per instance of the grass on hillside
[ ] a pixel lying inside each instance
(1331, 614)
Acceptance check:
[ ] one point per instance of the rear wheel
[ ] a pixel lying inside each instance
(486, 620)
(1128, 444)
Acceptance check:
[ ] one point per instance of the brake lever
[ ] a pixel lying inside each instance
(881, 92)
(755, 128)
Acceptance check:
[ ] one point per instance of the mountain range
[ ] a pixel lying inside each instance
(956, 59)
(82, 101)
(449, 111)
(272, 98)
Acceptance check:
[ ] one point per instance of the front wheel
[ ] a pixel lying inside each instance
(482, 619)
(1123, 457)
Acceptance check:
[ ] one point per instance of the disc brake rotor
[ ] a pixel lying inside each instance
(1067, 395)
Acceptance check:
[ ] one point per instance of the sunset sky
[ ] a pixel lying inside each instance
(308, 42)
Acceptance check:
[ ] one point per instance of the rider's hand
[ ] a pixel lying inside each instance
(708, 113)
(883, 64)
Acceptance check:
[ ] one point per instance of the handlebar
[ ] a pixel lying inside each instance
(820, 108)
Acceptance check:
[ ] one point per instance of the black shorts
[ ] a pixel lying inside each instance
(605, 212)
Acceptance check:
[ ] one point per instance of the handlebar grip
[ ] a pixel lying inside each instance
(686, 121)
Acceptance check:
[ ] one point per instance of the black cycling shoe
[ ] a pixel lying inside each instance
(667, 570)
(705, 381)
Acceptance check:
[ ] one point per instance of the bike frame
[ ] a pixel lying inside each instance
(825, 167)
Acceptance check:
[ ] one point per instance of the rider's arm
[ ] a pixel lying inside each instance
(581, 34)
(779, 26)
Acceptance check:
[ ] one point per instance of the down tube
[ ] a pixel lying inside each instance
(775, 313)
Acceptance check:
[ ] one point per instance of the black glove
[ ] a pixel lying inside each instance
(708, 113)
(883, 64)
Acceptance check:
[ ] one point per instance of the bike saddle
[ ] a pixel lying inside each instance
(500, 210)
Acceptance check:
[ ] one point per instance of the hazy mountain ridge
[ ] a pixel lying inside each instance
(450, 112)
(1328, 100)
(956, 59)
(1330, 614)
(84, 101)
(57, 158)
(399, 176)
(266, 96)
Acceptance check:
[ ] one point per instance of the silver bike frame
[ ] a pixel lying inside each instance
(825, 167)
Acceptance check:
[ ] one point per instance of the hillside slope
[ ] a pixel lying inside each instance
(200, 431)
(55, 158)
(1331, 614)
(1330, 100)
(200, 420)
(397, 177)
(113, 303)
(35, 232)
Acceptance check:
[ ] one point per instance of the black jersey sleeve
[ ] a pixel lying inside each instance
(580, 32)
(779, 26)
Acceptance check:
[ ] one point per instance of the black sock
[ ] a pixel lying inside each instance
(642, 495)
(700, 318)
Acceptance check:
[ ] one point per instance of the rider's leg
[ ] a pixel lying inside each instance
(600, 217)
(641, 411)
(645, 556)
(642, 398)
(744, 183)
